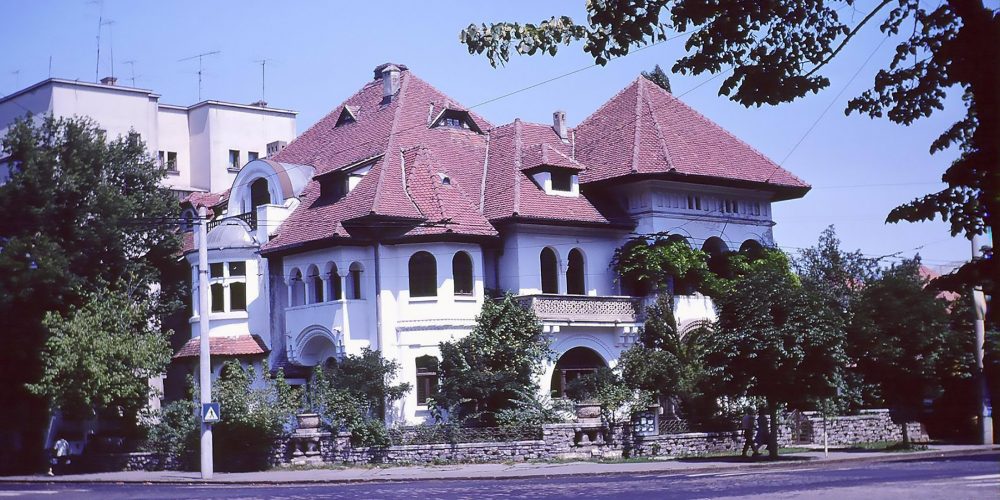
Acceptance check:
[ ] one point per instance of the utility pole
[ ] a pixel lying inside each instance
(204, 360)
(985, 413)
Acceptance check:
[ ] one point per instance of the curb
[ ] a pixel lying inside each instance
(790, 465)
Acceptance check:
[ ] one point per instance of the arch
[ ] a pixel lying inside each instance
(752, 249)
(336, 290)
(297, 288)
(354, 288)
(461, 270)
(315, 344)
(259, 194)
(315, 285)
(717, 251)
(423, 275)
(574, 363)
(549, 268)
(575, 273)
(678, 237)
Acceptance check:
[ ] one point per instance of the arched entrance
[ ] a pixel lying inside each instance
(574, 363)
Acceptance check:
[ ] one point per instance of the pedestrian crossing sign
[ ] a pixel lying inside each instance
(210, 413)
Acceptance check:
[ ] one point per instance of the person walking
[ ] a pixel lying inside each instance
(746, 425)
(763, 434)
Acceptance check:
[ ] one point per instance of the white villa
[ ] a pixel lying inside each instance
(387, 224)
(203, 145)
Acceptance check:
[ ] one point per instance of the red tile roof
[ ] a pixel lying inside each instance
(239, 345)
(645, 130)
(641, 131)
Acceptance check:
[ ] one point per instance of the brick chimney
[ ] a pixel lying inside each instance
(109, 80)
(559, 124)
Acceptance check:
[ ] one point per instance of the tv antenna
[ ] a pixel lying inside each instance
(131, 66)
(17, 78)
(111, 45)
(199, 57)
(100, 26)
(263, 66)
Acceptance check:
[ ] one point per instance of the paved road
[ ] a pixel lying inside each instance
(971, 476)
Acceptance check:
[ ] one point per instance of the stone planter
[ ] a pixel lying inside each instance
(306, 421)
(588, 411)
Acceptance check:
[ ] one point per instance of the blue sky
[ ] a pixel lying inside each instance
(319, 53)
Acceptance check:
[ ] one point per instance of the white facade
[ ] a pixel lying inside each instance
(198, 138)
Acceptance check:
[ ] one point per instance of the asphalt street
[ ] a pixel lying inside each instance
(958, 477)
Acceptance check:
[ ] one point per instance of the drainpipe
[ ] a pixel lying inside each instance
(378, 301)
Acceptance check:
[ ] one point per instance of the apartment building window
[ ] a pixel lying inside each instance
(172, 161)
(234, 159)
(427, 378)
(252, 156)
(231, 276)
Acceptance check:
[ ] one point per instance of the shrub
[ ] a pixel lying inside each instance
(173, 432)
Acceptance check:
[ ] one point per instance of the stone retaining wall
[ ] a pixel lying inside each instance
(870, 426)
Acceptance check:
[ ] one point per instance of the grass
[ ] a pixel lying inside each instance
(897, 446)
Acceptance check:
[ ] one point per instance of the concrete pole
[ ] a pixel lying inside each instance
(985, 406)
(204, 360)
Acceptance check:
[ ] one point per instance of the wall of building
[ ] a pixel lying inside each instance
(173, 137)
(222, 127)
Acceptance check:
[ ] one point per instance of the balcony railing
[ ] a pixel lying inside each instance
(584, 308)
(249, 217)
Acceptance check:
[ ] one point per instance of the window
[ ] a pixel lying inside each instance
(574, 273)
(336, 291)
(550, 271)
(452, 118)
(172, 161)
(297, 289)
(231, 276)
(161, 158)
(427, 378)
(423, 275)
(730, 206)
(694, 203)
(355, 281)
(461, 269)
(562, 181)
(259, 194)
(333, 187)
(216, 270)
(218, 298)
(237, 296)
(234, 159)
(252, 156)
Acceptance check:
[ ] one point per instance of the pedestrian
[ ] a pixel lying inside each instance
(60, 456)
(763, 434)
(746, 425)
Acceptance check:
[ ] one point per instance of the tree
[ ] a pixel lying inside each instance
(777, 51)
(659, 263)
(897, 337)
(102, 356)
(80, 213)
(775, 341)
(658, 77)
(482, 373)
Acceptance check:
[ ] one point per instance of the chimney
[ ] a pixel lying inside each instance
(559, 125)
(260, 104)
(109, 80)
(390, 82)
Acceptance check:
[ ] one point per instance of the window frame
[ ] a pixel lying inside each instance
(422, 274)
(466, 287)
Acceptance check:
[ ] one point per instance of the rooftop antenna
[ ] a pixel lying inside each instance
(17, 78)
(131, 65)
(100, 25)
(199, 57)
(263, 65)
(50, 66)
(111, 44)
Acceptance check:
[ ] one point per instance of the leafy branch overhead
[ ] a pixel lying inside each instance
(777, 51)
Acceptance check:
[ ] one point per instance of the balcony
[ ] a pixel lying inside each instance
(249, 217)
(584, 308)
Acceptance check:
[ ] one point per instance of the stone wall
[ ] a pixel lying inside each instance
(870, 426)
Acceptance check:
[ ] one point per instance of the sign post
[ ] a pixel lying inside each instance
(204, 358)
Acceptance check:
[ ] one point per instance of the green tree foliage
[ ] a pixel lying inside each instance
(775, 341)
(173, 432)
(255, 411)
(354, 394)
(79, 214)
(659, 263)
(482, 373)
(101, 356)
(606, 387)
(532, 409)
(778, 50)
(896, 337)
(658, 77)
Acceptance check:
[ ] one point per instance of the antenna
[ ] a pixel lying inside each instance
(111, 44)
(131, 65)
(100, 24)
(17, 78)
(50, 66)
(263, 65)
(199, 57)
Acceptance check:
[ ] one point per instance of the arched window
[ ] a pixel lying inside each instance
(718, 261)
(461, 269)
(550, 271)
(423, 275)
(298, 288)
(752, 249)
(575, 281)
(427, 378)
(316, 282)
(354, 281)
(336, 291)
(259, 195)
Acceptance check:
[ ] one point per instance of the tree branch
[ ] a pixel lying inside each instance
(849, 36)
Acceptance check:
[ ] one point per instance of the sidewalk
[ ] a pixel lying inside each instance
(508, 471)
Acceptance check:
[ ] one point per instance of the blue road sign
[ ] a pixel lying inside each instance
(210, 413)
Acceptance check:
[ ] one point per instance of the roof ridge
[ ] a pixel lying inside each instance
(656, 127)
(337, 110)
(637, 134)
(482, 182)
(404, 80)
(517, 166)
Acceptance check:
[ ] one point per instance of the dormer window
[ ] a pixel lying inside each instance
(347, 115)
(452, 118)
(562, 181)
(336, 185)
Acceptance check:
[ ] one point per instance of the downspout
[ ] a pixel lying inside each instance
(378, 301)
